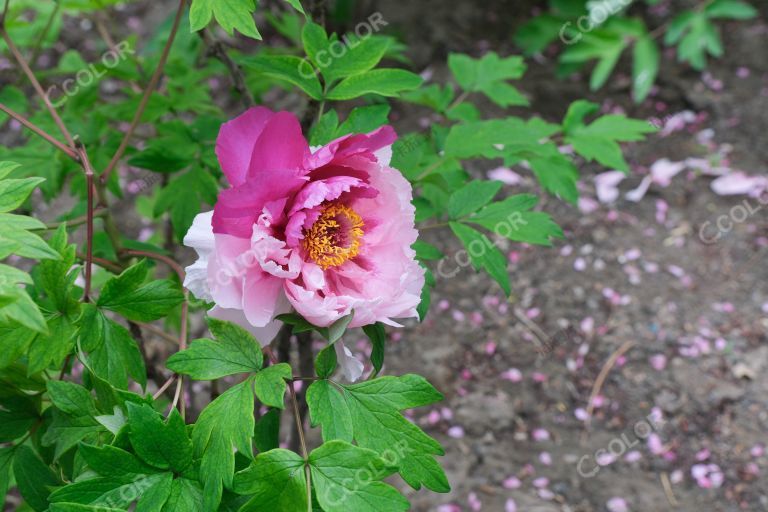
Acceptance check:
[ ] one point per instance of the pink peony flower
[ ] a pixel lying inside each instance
(325, 231)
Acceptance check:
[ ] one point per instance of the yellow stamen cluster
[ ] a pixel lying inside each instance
(334, 237)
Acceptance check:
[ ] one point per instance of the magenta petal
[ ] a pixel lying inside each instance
(235, 142)
(281, 147)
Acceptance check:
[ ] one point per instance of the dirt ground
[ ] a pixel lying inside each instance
(517, 374)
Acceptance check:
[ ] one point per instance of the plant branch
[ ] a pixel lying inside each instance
(216, 49)
(38, 88)
(147, 93)
(299, 429)
(89, 174)
(39, 131)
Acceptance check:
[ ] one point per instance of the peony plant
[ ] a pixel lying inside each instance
(305, 221)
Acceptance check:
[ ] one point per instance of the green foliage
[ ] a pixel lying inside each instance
(603, 33)
(74, 327)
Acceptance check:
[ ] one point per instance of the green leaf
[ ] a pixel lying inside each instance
(110, 491)
(645, 67)
(577, 112)
(13, 193)
(110, 460)
(183, 197)
(489, 75)
(275, 481)
(186, 496)
(230, 14)
(599, 140)
(364, 119)
(57, 277)
(74, 416)
(267, 435)
(378, 425)
(730, 9)
(127, 295)
(510, 218)
(296, 4)
(325, 362)
(234, 351)
(8, 167)
(471, 197)
(113, 353)
(483, 138)
(164, 445)
(34, 478)
(356, 55)
(483, 254)
(15, 341)
(226, 423)
(337, 329)
(77, 507)
(336, 469)
(558, 175)
(15, 232)
(378, 336)
(290, 69)
(384, 82)
(269, 384)
(6, 466)
(52, 348)
(427, 252)
(71, 398)
(328, 408)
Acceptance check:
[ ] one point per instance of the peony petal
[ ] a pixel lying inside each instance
(200, 238)
(351, 367)
(234, 145)
(281, 147)
(264, 335)
(261, 294)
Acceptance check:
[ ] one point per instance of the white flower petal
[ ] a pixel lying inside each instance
(350, 365)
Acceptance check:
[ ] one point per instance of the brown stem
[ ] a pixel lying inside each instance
(41, 37)
(89, 219)
(147, 93)
(159, 257)
(165, 386)
(299, 427)
(39, 131)
(77, 221)
(38, 88)
(216, 49)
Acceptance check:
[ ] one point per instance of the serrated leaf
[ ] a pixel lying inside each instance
(164, 445)
(226, 423)
(230, 14)
(490, 75)
(113, 353)
(14, 192)
(511, 219)
(645, 67)
(471, 197)
(328, 408)
(483, 254)
(234, 351)
(378, 425)
(127, 295)
(336, 467)
(269, 384)
(275, 481)
(290, 69)
(384, 82)
(34, 478)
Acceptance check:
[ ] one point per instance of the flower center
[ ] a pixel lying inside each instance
(334, 237)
